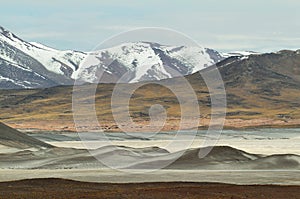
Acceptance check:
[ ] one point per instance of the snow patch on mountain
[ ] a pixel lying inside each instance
(195, 57)
(239, 53)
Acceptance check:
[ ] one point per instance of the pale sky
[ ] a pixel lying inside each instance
(230, 25)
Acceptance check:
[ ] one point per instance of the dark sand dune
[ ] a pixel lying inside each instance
(116, 156)
(13, 138)
(51, 158)
(284, 161)
(220, 158)
(66, 158)
(225, 158)
(59, 188)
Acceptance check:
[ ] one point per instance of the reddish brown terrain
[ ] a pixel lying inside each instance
(59, 188)
(143, 126)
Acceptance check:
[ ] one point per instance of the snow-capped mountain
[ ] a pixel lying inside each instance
(144, 61)
(32, 65)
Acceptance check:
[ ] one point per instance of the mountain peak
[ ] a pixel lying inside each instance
(3, 30)
(9, 34)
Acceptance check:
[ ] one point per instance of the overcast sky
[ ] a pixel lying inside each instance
(258, 25)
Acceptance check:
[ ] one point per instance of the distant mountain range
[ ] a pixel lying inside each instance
(33, 65)
(257, 85)
(263, 87)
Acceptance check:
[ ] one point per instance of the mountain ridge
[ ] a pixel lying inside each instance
(141, 61)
